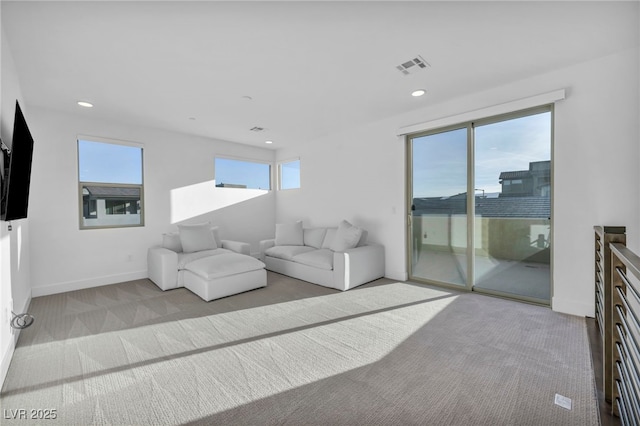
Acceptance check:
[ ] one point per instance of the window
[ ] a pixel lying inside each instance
(110, 184)
(479, 197)
(289, 174)
(244, 174)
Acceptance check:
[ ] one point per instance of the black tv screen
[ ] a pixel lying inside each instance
(15, 185)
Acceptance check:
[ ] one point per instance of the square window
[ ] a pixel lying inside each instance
(110, 184)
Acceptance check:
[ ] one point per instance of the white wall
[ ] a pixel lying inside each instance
(179, 188)
(359, 174)
(15, 289)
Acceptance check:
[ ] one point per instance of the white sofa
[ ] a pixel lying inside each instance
(196, 258)
(339, 257)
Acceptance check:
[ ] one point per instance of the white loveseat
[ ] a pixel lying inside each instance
(196, 258)
(332, 257)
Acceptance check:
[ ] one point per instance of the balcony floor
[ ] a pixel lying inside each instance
(517, 278)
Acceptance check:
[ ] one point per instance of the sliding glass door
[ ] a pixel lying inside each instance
(438, 217)
(498, 172)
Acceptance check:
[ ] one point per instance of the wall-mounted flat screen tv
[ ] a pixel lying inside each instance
(16, 179)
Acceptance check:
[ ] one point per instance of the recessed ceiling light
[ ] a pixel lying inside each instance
(418, 93)
(85, 104)
(268, 142)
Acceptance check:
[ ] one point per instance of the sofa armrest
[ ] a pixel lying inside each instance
(237, 246)
(264, 245)
(358, 266)
(162, 267)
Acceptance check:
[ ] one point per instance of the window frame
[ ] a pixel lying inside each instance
(471, 125)
(245, 160)
(83, 184)
(280, 179)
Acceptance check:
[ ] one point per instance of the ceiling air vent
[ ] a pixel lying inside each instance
(256, 129)
(413, 65)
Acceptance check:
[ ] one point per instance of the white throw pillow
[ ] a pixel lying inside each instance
(172, 242)
(289, 234)
(216, 236)
(347, 237)
(196, 237)
(313, 237)
(328, 238)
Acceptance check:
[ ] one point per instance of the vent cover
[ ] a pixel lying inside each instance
(256, 129)
(410, 67)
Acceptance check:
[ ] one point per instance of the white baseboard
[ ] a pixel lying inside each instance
(573, 308)
(8, 355)
(82, 284)
(397, 275)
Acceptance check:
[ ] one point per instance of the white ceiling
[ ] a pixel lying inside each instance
(311, 68)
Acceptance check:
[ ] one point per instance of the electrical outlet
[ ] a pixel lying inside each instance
(129, 257)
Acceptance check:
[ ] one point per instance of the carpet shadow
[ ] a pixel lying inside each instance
(141, 303)
(457, 369)
(203, 350)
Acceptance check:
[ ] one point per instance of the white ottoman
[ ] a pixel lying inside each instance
(223, 275)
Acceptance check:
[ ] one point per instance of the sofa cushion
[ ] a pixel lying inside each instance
(322, 258)
(216, 235)
(172, 242)
(289, 234)
(347, 237)
(185, 258)
(287, 252)
(223, 265)
(196, 237)
(363, 238)
(328, 238)
(313, 237)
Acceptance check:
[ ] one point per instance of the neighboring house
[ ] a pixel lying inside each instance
(533, 182)
(230, 185)
(512, 226)
(109, 205)
(513, 207)
(525, 194)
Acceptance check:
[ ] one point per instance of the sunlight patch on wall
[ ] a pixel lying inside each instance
(201, 198)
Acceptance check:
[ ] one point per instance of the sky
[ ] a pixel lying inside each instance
(440, 160)
(291, 174)
(109, 163)
(237, 172)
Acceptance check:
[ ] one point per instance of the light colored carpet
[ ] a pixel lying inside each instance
(296, 353)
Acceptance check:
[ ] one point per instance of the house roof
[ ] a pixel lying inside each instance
(520, 174)
(113, 191)
(502, 207)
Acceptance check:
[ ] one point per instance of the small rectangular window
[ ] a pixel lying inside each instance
(110, 184)
(231, 173)
(289, 173)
